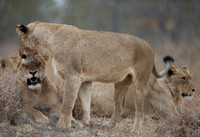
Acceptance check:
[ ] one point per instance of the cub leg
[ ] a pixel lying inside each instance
(85, 94)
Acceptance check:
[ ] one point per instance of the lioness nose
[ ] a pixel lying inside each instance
(193, 90)
(33, 73)
(24, 56)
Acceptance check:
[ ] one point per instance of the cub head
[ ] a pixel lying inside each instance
(181, 82)
(33, 73)
(9, 64)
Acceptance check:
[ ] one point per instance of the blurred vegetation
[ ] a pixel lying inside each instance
(156, 21)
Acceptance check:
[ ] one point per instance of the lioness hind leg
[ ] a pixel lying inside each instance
(121, 89)
(85, 94)
(72, 86)
(141, 78)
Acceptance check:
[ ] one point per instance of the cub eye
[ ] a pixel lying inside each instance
(38, 64)
(24, 56)
(183, 78)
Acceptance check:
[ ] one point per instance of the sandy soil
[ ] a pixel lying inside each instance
(97, 128)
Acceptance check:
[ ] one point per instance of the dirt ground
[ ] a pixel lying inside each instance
(98, 128)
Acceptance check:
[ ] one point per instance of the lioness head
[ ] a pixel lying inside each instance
(27, 54)
(32, 73)
(180, 81)
(29, 44)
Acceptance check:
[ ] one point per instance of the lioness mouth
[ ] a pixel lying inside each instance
(33, 81)
(184, 95)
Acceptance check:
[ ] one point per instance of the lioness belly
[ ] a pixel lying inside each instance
(106, 76)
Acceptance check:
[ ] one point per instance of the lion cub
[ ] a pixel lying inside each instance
(37, 90)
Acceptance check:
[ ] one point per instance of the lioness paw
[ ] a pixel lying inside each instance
(43, 120)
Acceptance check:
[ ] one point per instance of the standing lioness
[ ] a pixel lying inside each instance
(82, 56)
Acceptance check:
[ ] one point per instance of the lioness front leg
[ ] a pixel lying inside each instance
(171, 103)
(33, 114)
(51, 100)
(72, 86)
(37, 116)
(139, 100)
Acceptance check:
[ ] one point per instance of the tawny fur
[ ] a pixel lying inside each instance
(166, 91)
(82, 56)
(42, 98)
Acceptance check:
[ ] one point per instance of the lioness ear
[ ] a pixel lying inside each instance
(172, 71)
(22, 29)
(185, 68)
(15, 59)
(44, 58)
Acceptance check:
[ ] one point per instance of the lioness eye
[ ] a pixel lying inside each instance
(38, 64)
(183, 78)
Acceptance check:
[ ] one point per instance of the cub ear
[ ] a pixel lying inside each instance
(3, 63)
(185, 68)
(172, 71)
(22, 29)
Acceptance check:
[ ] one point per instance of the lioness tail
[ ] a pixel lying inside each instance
(169, 62)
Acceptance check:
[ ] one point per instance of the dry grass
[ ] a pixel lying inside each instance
(184, 54)
(187, 124)
(11, 102)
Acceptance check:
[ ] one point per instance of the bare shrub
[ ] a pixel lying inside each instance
(11, 101)
(187, 124)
